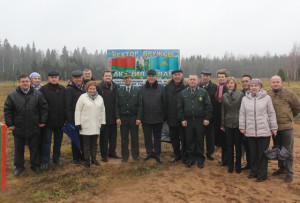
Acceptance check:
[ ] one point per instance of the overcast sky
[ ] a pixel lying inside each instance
(206, 27)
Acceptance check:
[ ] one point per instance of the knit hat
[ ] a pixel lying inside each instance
(256, 81)
(34, 74)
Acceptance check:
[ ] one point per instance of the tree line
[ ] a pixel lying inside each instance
(15, 60)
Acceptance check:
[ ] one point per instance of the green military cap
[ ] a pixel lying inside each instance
(126, 75)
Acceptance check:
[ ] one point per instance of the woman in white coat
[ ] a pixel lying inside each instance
(258, 122)
(89, 116)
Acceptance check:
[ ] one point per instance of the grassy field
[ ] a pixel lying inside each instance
(65, 182)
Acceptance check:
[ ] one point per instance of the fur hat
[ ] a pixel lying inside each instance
(223, 71)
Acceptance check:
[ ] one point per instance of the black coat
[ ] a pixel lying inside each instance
(211, 89)
(220, 137)
(172, 95)
(55, 97)
(25, 112)
(154, 103)
(109, 94)
(72, 94)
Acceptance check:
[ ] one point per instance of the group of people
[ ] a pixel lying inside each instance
(194, 110)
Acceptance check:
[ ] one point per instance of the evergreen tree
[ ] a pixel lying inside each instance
(281, 73)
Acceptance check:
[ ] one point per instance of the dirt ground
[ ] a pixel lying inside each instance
(211, 184)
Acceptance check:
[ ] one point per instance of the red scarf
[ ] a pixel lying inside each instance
(219, 92)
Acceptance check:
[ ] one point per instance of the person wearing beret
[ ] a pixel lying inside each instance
(154, 107)
(173, 89)
(209, 131)
(74, 89)
(54, 94)
(129, 115)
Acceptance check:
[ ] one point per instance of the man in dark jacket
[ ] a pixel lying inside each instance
(25, 111)
(74, 90)
(194, 111)
(211, 89)
(129, 115)
(245, 80)
(108, 90)
(54, 94)
(176, 130)
(154, 107)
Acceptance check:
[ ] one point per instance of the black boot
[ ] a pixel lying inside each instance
(94, 161)
(87, 163)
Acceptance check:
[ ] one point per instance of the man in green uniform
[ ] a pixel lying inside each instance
(194, 111)
(129, 115)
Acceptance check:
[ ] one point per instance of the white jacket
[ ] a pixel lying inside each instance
(90, 114)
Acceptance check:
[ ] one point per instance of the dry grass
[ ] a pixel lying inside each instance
(64, 182)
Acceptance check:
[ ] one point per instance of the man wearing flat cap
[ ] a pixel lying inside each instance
(211, 89)
(74, 89)
(54, 94)
(176, 130)
(129, 116)
(154, 107)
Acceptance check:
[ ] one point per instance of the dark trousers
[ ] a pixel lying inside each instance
(285, 138)
(89, 146)
(129, 125)
(195, 140)
(155, 130)
(33, 148)
(234, 139)
(108, 136)
(259, 162)
(77, 154)
(246, 149)
(177, 136)
(47, 138)
(209, 136)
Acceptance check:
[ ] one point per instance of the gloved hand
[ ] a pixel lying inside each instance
(78, 127)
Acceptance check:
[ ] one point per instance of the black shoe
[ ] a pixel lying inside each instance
(260, 179)
(104, 159)
(238, 170)
(45, 167)
(36, 169)
(136, 159)
(210, 157)
(18, 171)
(87, 163)
(77, 161)
(278, 172)
(246, 167)
(288, 178)
(230, 170)
(124, 159)
(95, 162)
(115, 157)
(223, 164)
(158, 159)
(176, 158)
(58, 162)
(201, 164)
(252, 176)
(189, 164)
(149, 156)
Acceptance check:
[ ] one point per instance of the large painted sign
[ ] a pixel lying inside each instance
(139, 61)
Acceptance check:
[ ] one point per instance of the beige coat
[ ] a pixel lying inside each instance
(287, 106)
(90, 114)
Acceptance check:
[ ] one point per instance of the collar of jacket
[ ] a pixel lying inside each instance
(75, 86)
(155, 84)
(209, 84)
(31, 89)
(190, 89)
(113, 85)
(278, 91)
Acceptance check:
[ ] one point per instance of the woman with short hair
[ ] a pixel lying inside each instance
(258, 122)
(89, 116)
